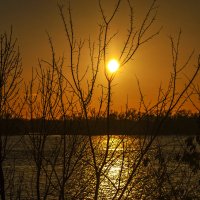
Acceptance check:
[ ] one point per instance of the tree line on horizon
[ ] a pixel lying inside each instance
(183, 122)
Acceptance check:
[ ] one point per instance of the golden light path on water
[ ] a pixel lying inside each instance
(122, 151)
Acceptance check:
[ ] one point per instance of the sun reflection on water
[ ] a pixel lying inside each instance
(119, 159)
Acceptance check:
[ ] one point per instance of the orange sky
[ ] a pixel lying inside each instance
(151, 64)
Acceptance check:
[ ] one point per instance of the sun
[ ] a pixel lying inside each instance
(113, 65)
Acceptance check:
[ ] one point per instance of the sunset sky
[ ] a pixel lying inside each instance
(31, 19)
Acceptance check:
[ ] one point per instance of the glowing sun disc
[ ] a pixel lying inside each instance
(113, 65)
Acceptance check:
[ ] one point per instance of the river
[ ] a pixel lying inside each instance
(112, 167)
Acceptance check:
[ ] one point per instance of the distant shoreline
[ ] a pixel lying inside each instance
(181, 126)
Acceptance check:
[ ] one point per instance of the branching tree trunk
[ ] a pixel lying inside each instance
(10, 78)
(133, 42)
